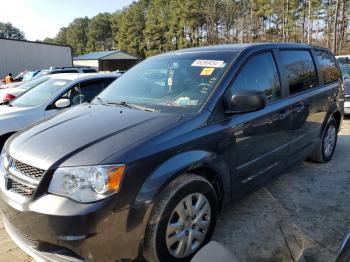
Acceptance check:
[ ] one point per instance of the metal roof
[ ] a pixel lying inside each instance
(115, 54)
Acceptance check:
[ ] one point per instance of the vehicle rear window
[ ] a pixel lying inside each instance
(328, 65)
(260, 74)
(300, 69)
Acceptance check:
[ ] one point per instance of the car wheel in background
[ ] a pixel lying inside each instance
(325, 151)
(182, 220)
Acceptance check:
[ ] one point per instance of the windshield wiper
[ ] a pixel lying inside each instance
(126, 104)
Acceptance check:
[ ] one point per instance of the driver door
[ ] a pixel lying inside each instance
(260, 139)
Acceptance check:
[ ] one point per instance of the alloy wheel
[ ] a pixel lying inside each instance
(188, 225)
(329, 141)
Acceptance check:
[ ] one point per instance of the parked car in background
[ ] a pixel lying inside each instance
(59, 91)
(346, 77)
(23, 77)
(8, 94)
(143, 170)
(39, 73)
(343, 59)
(61, 70)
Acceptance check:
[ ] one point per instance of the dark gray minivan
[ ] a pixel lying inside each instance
(142, 171)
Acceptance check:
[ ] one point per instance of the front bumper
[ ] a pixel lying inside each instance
(53, 228)
(347, 108)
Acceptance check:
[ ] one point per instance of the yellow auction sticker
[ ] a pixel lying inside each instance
(207, 71)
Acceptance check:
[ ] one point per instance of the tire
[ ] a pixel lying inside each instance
(321, 155)
(159, 236)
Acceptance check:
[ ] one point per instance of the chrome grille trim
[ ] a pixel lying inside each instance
(20, 188)
(27, 170)
(13, 173)
(22, 180)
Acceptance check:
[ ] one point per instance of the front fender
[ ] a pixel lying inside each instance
(179, 164)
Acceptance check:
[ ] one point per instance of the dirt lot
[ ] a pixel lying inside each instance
(300, 216)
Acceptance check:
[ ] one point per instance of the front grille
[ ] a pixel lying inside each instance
(20, 188)
(347, 98)
(28, 240)
(28, 170)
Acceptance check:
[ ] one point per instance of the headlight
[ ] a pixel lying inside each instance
(87, 183)
(5, 162)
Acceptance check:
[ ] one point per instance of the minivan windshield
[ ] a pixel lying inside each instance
(41, 93)
(172, 83)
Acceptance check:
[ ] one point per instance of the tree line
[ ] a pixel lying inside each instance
(7, 30)
(148, 27)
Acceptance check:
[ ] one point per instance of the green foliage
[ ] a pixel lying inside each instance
(131, 28)
(7, 30)
(148, 27)
(99, 33)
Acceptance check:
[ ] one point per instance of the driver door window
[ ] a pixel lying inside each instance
(259, 74)
(84, 92)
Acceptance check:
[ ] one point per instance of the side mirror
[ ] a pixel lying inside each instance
(62, 103)
(244, 101)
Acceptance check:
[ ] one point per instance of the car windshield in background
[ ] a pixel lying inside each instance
(33, 83)
(345, 71)
(42, 73)
(41, 93)
(29, 75)
(172, 83)
(343, 60)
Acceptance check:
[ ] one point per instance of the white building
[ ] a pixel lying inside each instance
(19, 55)
(107, 60)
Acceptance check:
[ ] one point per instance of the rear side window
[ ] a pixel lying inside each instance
(260, 74)
(85, 91)
(91, 89)
(300, 69)
(329, 69)
(89, 71)
(64, 71)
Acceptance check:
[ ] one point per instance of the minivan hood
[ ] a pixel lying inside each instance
(86, 135)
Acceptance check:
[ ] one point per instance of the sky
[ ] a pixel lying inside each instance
(43, 18)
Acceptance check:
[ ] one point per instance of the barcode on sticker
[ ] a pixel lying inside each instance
(208, 63)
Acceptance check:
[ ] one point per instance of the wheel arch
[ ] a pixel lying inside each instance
(4, 137)
(336, 114)
(203, 163)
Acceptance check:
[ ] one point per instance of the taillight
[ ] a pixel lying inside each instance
(8, 97)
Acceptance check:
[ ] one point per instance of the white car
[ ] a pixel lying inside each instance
(8, 94)
(58, 92)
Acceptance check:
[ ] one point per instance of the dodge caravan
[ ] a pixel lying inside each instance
(143, 170)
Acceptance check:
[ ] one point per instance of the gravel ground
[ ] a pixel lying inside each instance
(299, 216)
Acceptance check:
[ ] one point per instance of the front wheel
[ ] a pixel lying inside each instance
(182, 220)
(325, 151)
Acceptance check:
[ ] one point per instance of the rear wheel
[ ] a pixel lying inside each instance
(182, 220)
(325, 151)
